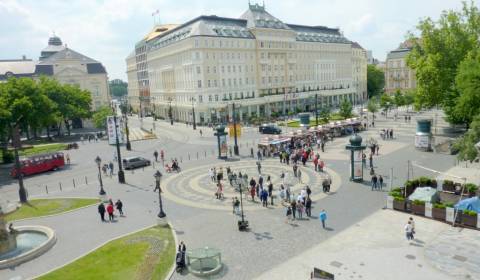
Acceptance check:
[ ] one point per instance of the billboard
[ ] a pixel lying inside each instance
(112, 133)
(223, 146)
(239, 130)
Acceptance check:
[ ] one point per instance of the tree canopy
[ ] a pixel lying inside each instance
(118, 88)
(437, 55)
(345, 109)
(375, 81)
(99, 117)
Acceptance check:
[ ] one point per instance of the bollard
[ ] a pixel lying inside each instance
(197, 155)
(205, 154)
(46, 189)
(60, 184)
(153, 165)
(73, 182)
(181, 159)
(143, 168)
(188, 156)
(133, 172)
(86, 182)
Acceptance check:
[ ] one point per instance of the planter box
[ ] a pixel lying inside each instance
(468, 220)
(399, 205)
(439, 214)
(418, 209)
(448, 188)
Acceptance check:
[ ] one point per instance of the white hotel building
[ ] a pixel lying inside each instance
(258, 62)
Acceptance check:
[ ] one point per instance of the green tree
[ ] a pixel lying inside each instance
(375, 81)
(467, 81)
(100, 117)
(118, 88)
(372, 106)
(345, 109)
(398, 98)
(437, 53)
(466, 144)
(386, 102)
(324, 113)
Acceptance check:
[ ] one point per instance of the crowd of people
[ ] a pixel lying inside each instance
(110, 210)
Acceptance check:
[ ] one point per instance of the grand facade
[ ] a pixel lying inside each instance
(262, 65)
(398, 76)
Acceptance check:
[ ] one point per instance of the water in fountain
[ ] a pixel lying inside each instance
(7, 241)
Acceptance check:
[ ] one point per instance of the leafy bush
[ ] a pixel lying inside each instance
(418, 202)
(471, 188)
(398, 198)
(448, 204)
(8, 157)
(469, 212)
(439, 206)
(424, 181)
(448, 183)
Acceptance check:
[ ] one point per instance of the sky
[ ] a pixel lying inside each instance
(107, 30)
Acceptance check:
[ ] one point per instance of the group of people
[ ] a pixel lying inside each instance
(386, 133)
(297, 207)
(89, 137)
(410, 229)
(110, 210)
(108, 169)
(377, 182)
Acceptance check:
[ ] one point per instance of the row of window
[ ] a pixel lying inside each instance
(227, 82)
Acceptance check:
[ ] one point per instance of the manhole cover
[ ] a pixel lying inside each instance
(460, 258)
(336, 264)
(410, 257)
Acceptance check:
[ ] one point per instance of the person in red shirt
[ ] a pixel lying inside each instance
(110, 211)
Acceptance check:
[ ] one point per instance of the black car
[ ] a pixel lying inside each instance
(269, 129)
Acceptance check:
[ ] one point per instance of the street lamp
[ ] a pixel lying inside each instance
(235, 147)
(158, 177)
(193, 114)
(240, 182)
(98, 161)
(170, 115)
(121, 175)
(127, 131)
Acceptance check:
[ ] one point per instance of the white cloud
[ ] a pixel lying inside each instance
(107, 30)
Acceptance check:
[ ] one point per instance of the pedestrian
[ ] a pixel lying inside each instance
(370, 160)
(104, 169)
(110, 211)
(260, 181)
(391, 133)
(293, 204)
(374, 182)
(119, 206)
(329, 183)
(378, 148)
(110, 167)
(201, 133)
(408, 230)
(323, 217)
(288, 214)
(259, 155)
(364, 160)
(270, 191)
(295, 168)
(101, 211)
(251, 152)
(288, 193)
(300, 209)
(321, 165)
(299, 175)
(380, 182)
(325, 185)
(155, 154)
(264, 198)
(252, 192)
(309, 191)
(308, 207)
(259, 167)
(210, 173)
(412, 223)
(323, 146)
(236, 205)
(68, 158)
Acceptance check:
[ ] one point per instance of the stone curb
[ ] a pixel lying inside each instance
(61, 213)
(172, 270)
(96, 248)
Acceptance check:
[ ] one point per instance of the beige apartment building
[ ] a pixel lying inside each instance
(359, 70)
(256, 62)
(398, 76)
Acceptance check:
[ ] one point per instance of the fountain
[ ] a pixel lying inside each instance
(23, 243)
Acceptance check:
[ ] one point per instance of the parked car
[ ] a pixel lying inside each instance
(135, 162)
(269, 129)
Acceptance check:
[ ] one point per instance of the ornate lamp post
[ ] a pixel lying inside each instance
(127, 131)
(121, 175)
(193, 114)
(170, 115)
(241, 182)
(98, 161)
(235, 146)
(158, 177)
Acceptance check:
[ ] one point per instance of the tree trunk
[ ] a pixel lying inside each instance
(59, 128)
(67, 125)
(48, 132)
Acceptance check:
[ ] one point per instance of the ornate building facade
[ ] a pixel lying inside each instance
(398, 76)
(258, 62)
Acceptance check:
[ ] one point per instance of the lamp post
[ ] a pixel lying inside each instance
(170, 115)
(193, 114)
(316, 108)
(121, 175)
(235, 147)
(16, 144)
(241, 181)
(127, 131)
(158, 177)
(98, 161)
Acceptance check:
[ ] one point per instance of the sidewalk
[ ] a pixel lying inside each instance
(376, 248)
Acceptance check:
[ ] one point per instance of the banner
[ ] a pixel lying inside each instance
(231, 132)
(223, 146)
(112, 133)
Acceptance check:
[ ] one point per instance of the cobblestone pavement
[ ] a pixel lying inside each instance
(195, 188)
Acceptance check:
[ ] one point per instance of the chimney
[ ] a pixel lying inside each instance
(24, 57)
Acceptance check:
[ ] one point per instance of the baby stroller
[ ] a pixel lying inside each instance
(180, 259)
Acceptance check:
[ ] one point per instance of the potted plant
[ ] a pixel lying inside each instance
(424, 182)
(471, 189)
(418, 207)
(399, 203)
(439, 211)
(469, 218)
(448, 186)
(434, 183)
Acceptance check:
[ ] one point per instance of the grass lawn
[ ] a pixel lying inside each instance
(43, 149)
(44, 207)
(148, 254)
(333, 117)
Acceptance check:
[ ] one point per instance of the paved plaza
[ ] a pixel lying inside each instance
(361, 239)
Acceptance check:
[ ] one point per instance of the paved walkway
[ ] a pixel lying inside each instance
(376, 248)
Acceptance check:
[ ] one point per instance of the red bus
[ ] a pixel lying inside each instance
(39, 163)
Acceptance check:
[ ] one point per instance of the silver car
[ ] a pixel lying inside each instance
(135, 162)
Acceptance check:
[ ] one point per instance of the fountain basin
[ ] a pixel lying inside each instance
(32, 241)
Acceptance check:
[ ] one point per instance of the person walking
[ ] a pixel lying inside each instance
(288, 214)
(323, 217)
(259, 167)
(295, 168)
(101, 211)
(412, 223)
(408, 230)
(110, 211)
(110, 167)
(119, 206)
(308, 207)
(270, 191)
(374, 182)
(370, 160)
(380, 182)
(299, 175)
(308, 191)
(300, 209)
(364, 160)
(377, 147)
(325, 185)
(236, 206)
(155, 154)
(293, 204)
(323, 146)
(252, 192)
(264, 197)
(68, 158)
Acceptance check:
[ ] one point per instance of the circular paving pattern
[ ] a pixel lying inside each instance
(193, 187)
